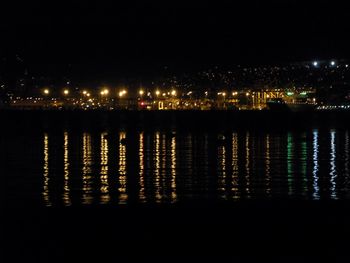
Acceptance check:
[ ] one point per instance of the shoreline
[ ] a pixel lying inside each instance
(222, 120)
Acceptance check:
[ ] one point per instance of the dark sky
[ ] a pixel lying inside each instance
(135, 37)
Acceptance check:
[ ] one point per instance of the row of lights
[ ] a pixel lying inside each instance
(105, 92)
(332, 63)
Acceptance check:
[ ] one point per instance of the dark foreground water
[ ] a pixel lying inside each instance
(173, 192)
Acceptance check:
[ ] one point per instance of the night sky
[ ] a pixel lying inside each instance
(138, 38)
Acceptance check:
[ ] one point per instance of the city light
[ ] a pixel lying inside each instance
(173, 92)
(157, 92)
(85, 92)
(122, 93)
(315, 63)
(332, 63)
(46, 91)
(66, 92)
(104, 92)
(141, 92)
(247, 94)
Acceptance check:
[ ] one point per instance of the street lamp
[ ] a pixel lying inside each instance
(173, 92)
(66, 92)
(104, 92)
(157, 92)
(141, 92)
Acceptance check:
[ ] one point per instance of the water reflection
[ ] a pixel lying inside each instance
(290, 159)
(267, 165)
(315, 146)
(142, 195)
(235, 169)
(222, 171)
(87, 188)
(247, 165)
(303, 160)
(46, 191)
(346, 161)
(165, 167)
(122, 179)
(156, 153)
(104, 188)
(66, 190)
(333, 172)
(173, 170)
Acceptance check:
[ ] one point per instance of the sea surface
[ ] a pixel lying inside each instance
(121, 167)
(128, 189)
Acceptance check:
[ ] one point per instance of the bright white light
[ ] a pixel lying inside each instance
(141, 92)
(66, 92)
(332, 63)
(315, 63)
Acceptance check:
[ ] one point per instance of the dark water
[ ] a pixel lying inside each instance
(174, 192)
(126, 167)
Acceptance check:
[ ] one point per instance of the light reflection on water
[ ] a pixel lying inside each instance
(122, 178)
(333, 172)
(316, 188)
(66, 192)
(87, 187)
(173, 167)
(235, 171)
(46, 178)
(105, 197)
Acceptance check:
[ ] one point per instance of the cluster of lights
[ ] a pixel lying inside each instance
(332, 63)
(122, 93)
(104, 92)
(85, 93)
